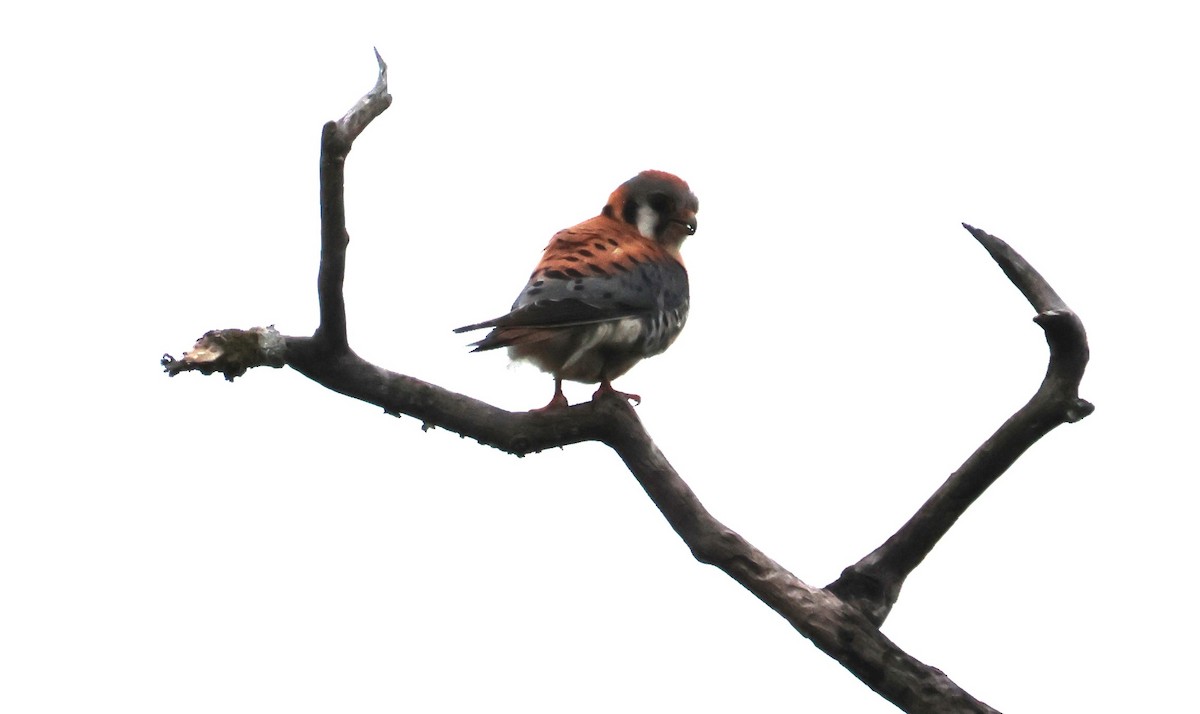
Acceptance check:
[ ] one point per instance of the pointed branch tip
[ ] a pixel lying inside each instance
(382, 65)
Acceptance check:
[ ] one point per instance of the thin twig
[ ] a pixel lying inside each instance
(337, 137)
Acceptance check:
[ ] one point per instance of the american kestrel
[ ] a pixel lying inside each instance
(607, 292)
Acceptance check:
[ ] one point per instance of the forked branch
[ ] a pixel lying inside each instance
(843, 619)
(873, 584)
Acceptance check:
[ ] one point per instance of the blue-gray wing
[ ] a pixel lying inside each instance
(587, 277)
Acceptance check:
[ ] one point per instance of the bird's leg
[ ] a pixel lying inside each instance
(607, 388)
(558, 401)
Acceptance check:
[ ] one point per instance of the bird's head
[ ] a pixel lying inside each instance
(660, 204)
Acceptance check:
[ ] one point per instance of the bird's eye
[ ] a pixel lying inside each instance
(660, 202)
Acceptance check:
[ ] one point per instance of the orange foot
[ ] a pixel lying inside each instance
(558, 401)
(607, 388)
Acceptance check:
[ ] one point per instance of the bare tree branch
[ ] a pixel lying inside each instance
(873, 583)
(843, 619)
(337, 137)
(231, 352)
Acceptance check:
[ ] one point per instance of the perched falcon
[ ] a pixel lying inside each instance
(607, 292)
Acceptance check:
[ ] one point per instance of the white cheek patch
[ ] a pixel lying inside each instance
(647, 221)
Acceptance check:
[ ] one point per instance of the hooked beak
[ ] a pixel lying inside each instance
(689, 223)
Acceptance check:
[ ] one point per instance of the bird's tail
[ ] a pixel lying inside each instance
(507, 337)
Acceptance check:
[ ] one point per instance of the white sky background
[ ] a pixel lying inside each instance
(187, 545)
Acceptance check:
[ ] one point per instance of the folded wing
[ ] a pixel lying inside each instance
(587, 276)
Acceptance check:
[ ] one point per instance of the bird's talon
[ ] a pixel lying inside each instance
(606, 388)
(558, 401)
(554, 405)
